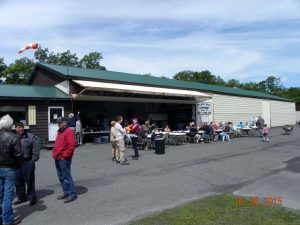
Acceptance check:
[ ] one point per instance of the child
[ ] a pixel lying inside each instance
(266, 133)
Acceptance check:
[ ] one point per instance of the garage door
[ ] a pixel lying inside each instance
(282, 113)
(235, 109)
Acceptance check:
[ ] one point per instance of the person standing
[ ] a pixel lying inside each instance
(79, 132)
(72, 120)
(134, 136)
(62, 153)
(113, 140)
(10, 159)
(120, 133)
(266, 133)
(25, 176)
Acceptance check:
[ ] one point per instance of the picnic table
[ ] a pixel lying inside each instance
(93, 136)
(218, 131)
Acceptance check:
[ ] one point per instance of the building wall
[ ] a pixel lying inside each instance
(235, 109)
(45, 78)
(266, 111)
(282, 113)
(242, 109)
(41, 127)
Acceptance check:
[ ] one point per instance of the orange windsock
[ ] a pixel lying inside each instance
(29, 46)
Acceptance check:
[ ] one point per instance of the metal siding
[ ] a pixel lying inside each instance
(282, 113)
(235, 109)
(266, 111)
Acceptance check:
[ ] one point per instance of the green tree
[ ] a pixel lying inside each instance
(185, 75)
(2, 68)
(233, 83)
(67, 58)
(292, 93)
(201, 77)
(92, 61)
(273, 86)
(19, 71)
(42, 55)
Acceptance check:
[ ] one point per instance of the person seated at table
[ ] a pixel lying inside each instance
(221, 125)
(193, 131)
(246, 129)
(149, 140)
(152, 126)
(215, 126)
(231, 129)
(167, 129)
(207, 131)
(240, 125)
(216, 130)
(224, 135)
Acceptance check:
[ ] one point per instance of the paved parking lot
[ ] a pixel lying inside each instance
(115, 194)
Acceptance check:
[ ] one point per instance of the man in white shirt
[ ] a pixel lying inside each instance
(120, 133)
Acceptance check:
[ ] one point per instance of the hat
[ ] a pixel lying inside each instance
(19, 124)
(61, 119)
(135, 119)
(71, 115)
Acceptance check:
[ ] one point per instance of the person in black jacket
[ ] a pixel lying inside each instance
(10, 158)
(25, 176)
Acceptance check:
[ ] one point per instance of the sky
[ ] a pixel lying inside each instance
(244, 40)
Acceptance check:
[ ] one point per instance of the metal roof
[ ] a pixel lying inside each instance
(96, 74)
(31, 91)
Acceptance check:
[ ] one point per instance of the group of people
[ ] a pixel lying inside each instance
(19, 151)
(117, 138)
(225, 131)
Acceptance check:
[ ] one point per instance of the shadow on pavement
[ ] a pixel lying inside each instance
(25, 210)
(81, 190)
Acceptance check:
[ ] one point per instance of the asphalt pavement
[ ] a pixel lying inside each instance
(110, 193)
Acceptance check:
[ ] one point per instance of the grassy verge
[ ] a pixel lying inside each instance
(221, 210)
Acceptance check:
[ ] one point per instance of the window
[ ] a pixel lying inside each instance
(18, 113)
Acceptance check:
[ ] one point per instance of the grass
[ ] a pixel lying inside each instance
(221, 210)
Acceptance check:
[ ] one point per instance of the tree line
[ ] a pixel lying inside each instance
(271, 85)
(20, 70)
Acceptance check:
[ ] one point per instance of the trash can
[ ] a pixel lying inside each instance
(159, 146)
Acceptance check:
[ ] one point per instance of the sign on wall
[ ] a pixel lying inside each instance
(205, 118)
(204, 108)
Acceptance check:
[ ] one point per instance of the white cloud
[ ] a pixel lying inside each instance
(233, 39)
